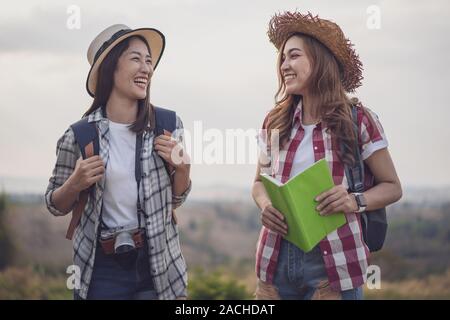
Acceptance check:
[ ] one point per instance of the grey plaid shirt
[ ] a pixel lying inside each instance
(167, 264)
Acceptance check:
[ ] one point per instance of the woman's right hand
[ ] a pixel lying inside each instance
(274, 220)
(86, 173)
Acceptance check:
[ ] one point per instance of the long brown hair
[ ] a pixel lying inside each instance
(105, 82)
(326, 95)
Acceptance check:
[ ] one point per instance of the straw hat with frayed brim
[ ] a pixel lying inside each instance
(109, 38)
(284, 25)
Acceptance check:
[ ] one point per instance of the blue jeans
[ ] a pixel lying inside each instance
(110, 281)
(299, 274)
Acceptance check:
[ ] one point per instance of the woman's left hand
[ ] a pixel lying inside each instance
(337, 199)
(170, 150)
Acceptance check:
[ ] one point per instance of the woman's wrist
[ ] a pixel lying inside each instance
(71, 187)
(356, 206)
(354, 203)
(182, 168)
(265, 203)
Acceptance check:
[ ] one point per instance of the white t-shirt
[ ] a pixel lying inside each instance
(304, 155)
(120, 194)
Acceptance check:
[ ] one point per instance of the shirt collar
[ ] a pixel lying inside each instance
(297, 120)
(298, 113)
(97, 115)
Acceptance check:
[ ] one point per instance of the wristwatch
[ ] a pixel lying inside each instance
(360, 201)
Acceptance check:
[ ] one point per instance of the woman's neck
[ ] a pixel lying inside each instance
(121, 109)
(309, 114)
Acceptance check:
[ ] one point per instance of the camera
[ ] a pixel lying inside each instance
(122, 241)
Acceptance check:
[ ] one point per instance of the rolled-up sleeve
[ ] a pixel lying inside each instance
(372, 135)
(67, 153)
(178, 200)
(178, 135)
(264, 156)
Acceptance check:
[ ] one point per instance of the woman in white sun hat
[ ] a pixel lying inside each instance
(125, 237)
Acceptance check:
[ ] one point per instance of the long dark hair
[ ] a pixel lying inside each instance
(327, 96)
(105, 81)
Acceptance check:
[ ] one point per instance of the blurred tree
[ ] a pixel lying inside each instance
(18, 283)
(6, 243)
(215, 286)
(192, 225)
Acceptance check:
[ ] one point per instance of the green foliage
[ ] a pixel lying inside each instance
(6, 242)
(215, 286)
(27, 283)
(430, 287)
(192, 225)
(414, 262)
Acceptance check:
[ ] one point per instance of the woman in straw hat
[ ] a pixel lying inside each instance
(126, 243)
(317, 67)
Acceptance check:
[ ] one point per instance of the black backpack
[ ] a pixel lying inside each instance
(374, 223)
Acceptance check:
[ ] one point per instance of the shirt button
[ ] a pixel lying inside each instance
(325, 252)
(145, 174)
(315, 148)
(153, 271)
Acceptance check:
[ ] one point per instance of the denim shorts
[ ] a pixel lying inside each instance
(298, 274)
(111, 281)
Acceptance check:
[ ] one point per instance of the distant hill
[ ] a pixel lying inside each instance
(26, 189)
(211, 233)
(218, 232)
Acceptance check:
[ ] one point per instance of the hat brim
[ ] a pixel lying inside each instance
(155, 40)
(283, 26)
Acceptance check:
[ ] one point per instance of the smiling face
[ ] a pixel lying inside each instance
(295, 66)
(134, 71)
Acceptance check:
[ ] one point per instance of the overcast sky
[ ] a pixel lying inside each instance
(219, 67)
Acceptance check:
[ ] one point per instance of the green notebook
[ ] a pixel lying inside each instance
(295, 200)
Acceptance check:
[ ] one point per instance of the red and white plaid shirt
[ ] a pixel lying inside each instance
(344, 252)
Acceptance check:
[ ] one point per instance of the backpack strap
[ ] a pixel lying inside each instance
(86, 137)
(374, 222)
(355, 174)
(165, 120)
(86, 132)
